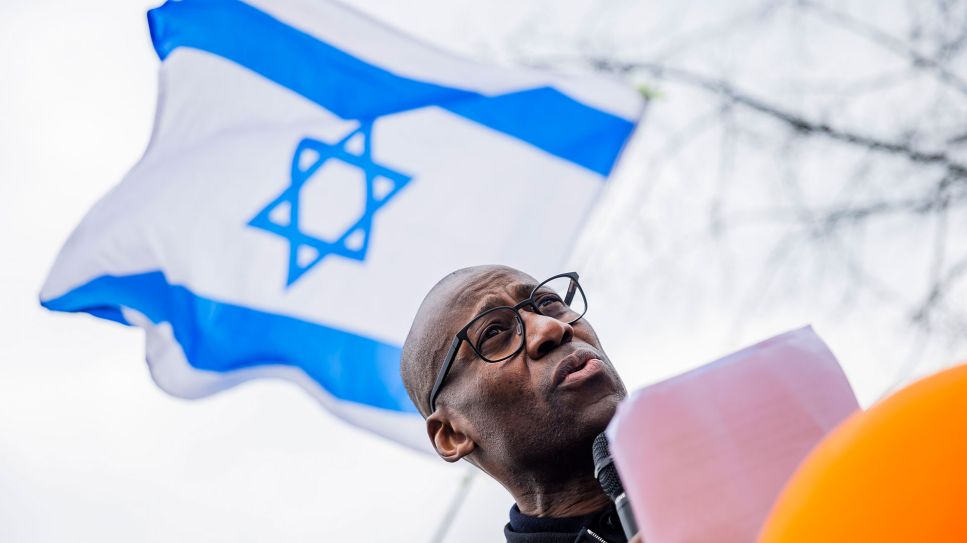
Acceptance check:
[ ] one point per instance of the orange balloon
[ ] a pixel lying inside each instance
(894, 473)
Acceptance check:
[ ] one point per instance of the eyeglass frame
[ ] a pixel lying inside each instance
(461, 336)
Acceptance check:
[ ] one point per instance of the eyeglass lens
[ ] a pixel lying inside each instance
(498, 334)
(560, 298)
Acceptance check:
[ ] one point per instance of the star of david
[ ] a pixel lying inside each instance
(306, 250)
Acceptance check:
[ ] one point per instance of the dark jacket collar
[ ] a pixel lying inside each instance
(526, 529)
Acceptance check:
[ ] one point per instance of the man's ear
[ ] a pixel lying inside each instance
(449, 436)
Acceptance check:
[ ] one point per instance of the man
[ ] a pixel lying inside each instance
(510, 377)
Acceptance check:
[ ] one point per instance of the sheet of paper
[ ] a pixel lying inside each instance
(704, 455)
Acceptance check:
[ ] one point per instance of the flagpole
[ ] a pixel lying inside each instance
(455, 505)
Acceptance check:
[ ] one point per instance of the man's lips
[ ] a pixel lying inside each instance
(576, 367)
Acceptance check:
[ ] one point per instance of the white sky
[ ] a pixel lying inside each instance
(90, 449)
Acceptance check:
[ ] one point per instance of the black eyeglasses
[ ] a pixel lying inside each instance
(498, 333)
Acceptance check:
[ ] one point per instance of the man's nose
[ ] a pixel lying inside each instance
(544, 334)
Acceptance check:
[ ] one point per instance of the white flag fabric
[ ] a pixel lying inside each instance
(310, 175)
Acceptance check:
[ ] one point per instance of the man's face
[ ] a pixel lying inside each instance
(559, 391)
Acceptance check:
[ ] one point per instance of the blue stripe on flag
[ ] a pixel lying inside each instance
(222, 337)
(354, 89)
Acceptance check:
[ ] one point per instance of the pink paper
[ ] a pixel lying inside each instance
(704, 455)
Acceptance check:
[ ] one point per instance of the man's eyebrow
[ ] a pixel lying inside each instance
(520, 292)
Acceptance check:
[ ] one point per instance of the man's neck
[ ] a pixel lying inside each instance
(580, 494)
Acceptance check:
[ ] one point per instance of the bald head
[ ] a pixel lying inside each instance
(434, 324)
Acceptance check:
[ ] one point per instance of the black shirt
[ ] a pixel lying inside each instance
(526, 529)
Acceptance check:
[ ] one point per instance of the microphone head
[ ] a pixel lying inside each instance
(604, 470)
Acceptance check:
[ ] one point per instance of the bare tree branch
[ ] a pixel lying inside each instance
(888, 42)
(795, 121)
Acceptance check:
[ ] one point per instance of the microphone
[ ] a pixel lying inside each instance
(607, 475)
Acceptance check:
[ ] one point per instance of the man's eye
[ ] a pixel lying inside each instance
(492, 331)
(486, 340)
(548, 300)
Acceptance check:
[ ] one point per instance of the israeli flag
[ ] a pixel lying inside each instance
(310, 175)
